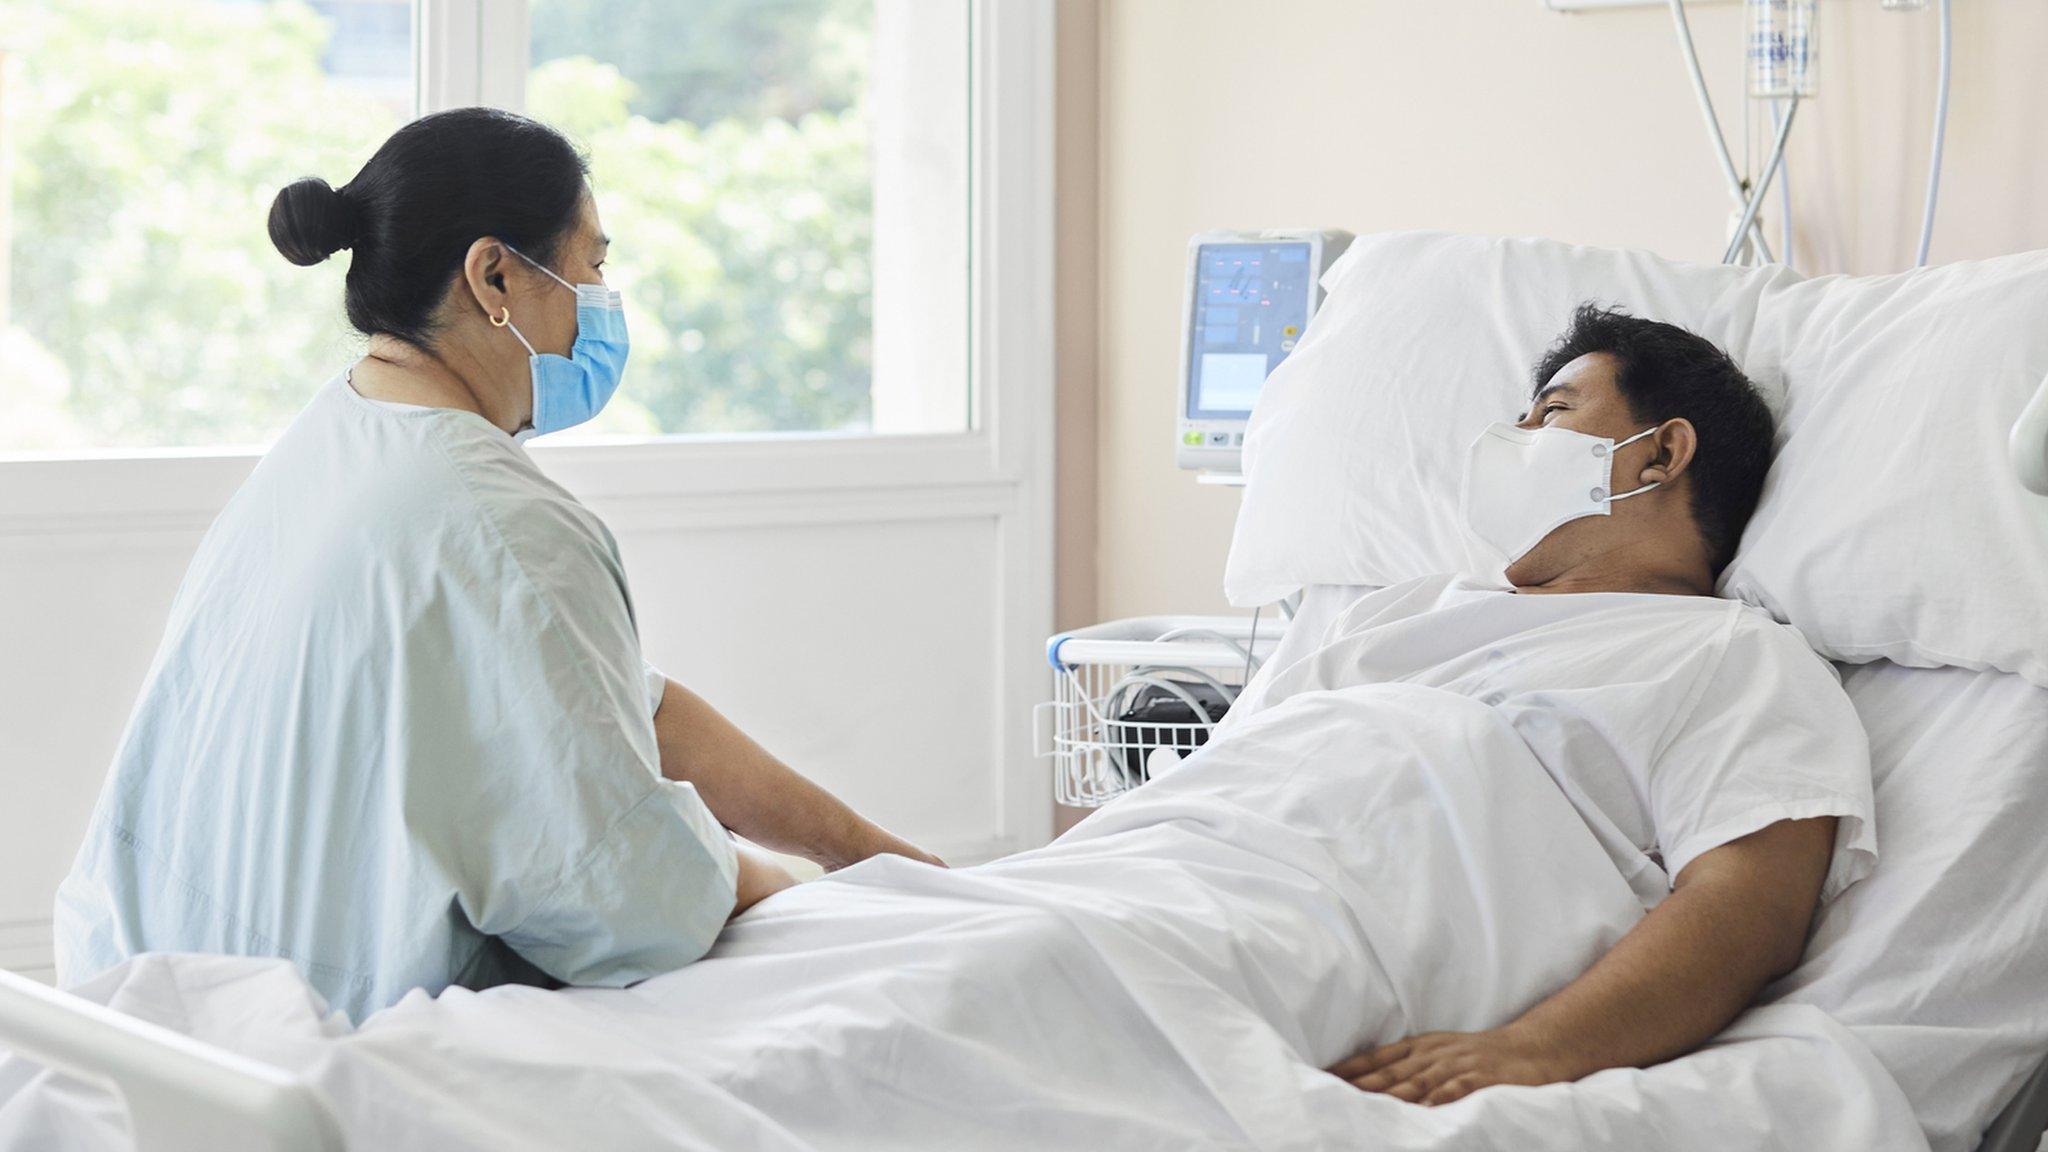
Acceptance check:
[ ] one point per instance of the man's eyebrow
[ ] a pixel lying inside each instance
(1547, 389)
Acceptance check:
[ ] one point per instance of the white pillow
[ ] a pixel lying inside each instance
(1892, 523)
(1937, 959)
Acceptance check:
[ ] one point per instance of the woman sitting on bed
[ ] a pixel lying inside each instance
(399, 730)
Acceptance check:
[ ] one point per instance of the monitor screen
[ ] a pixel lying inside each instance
(1251, 303)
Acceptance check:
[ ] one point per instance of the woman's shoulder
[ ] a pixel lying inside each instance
(562, 550)
(525, 503)
(433, 479)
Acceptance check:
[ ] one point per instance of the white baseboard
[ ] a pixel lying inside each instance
(27, 947)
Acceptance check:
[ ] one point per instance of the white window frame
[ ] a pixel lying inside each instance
(116, 503)
(476, 51)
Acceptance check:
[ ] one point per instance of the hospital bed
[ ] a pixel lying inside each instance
(1928, 975)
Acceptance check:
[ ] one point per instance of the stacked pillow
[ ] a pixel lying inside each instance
(1892, 524)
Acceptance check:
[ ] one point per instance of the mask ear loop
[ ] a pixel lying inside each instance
(537, 264)
(505, 321)
(1618, 447)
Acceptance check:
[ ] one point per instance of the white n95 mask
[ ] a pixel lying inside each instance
(1522, 483)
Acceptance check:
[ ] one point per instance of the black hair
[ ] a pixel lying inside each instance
(1665, 373)
(434, 188)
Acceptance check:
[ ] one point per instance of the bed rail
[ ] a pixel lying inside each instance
(2030, 442)
(180, 1092)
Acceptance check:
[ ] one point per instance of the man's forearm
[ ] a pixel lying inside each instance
(757, 795)
(1737, 919)
(1691, 966)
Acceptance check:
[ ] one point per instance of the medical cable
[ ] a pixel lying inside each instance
(1940, 135)
(1737, 186)
(1756, 196)
(1784, 194)
(1251, 646)
(1199, 633)
(1155, 677)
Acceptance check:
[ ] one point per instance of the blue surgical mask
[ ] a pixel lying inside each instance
(568, 390)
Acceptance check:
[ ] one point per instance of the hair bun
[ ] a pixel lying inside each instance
(310, 221)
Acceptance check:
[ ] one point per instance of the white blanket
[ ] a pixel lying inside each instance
(1346, 868)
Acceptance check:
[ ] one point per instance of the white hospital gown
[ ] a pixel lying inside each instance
(399, 732)
(1673, 724)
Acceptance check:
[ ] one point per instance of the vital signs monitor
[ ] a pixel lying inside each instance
(1249, 298)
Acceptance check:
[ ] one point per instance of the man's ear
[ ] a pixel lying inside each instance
(1674, 443)
(483, 270)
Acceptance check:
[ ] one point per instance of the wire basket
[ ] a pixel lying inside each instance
(1133, 698)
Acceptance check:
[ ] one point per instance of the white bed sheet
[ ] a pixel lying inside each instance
(1348, 867)
(1939, 960)
(1176, 982)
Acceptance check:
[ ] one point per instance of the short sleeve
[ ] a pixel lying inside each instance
(650, 897)
(566, 841)
(656, 685)
(1770, 736)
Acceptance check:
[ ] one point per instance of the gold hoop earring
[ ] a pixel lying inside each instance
(501, 321)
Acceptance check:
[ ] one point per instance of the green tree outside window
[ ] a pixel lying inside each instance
(143, 140)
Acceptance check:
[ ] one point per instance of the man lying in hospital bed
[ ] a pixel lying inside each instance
(1478, 837)
(1711, 754)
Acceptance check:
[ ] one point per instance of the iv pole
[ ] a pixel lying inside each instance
(1737, 187)
(1747, 232)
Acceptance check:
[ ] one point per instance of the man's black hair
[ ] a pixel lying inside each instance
(1664, 373)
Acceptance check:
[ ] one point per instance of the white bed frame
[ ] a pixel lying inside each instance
(179, 1091)
(184, 1093)
(176, 1086)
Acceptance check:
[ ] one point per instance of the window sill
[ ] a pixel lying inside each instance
(180, 490)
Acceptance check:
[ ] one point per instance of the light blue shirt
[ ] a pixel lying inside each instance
(400, 733)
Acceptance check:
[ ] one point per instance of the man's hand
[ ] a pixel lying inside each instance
(1439, 1067)
(1736, 920)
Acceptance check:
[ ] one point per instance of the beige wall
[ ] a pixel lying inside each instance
(1482, 115)
(1075, 206)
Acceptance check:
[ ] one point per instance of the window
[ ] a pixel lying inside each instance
(786, 182)
(141, 303)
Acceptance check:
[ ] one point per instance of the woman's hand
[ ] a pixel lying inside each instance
(1439, 1067)
(760, 877)
(760, 797)
(871, 839)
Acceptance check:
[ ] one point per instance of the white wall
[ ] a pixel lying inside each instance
(872, 608)
(866, 632)
(1495, 116)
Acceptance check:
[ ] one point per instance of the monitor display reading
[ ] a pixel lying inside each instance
(1251, 303)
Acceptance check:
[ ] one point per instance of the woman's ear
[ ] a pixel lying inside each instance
(1674, 444)
(483, 269)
